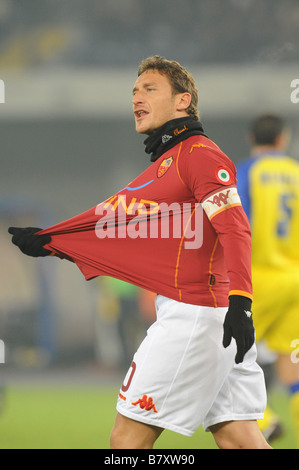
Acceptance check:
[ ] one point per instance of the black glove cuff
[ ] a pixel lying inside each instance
(240, 302)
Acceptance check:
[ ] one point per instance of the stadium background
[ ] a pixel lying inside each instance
(68, 142)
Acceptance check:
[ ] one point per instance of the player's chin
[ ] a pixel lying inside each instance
(142, 128)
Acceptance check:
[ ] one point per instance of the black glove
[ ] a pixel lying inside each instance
(238, 324)
(29, 243)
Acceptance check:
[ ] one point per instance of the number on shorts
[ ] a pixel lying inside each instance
(124, 388)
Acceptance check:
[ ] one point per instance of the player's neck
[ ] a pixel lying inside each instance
(263, 149)
(170, 134)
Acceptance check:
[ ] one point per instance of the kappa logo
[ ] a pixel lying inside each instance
(220, 198)
(165, 165)
(146, 403)
(248, 313)
(166, 138)
(221, 201)
(198, 146)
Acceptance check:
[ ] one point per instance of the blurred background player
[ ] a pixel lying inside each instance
(268, 184)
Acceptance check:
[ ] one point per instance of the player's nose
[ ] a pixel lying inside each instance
(137, 98)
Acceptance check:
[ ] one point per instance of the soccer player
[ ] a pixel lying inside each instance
(197, 363)
(268, 184)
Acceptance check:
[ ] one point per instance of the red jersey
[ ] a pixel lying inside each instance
(178, 229)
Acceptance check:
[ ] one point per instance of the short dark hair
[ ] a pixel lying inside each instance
(266, 128)
(180, 79)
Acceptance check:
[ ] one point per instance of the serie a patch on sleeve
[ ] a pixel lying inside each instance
(221, 201)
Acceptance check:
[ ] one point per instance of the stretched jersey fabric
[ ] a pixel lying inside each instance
(178, 229)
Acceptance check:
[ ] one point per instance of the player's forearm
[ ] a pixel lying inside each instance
(235, 237)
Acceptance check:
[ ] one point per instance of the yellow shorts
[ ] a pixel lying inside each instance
(276, 308)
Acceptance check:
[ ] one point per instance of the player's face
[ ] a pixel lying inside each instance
(154, 102)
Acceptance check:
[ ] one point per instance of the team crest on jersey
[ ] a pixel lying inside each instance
(165, 165)
(224, 175)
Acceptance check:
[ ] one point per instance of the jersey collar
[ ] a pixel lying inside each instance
(170, 134)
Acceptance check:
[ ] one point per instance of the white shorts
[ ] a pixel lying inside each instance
(182, 377)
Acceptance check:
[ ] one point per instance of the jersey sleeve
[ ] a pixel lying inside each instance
(233, 229)
(212, 178)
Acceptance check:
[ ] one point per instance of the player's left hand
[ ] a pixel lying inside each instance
(238, 324)
(29, 243)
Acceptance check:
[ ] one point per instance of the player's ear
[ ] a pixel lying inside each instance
(282, 141)
(183, 101)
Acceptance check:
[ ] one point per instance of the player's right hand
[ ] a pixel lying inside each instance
(29, 243)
